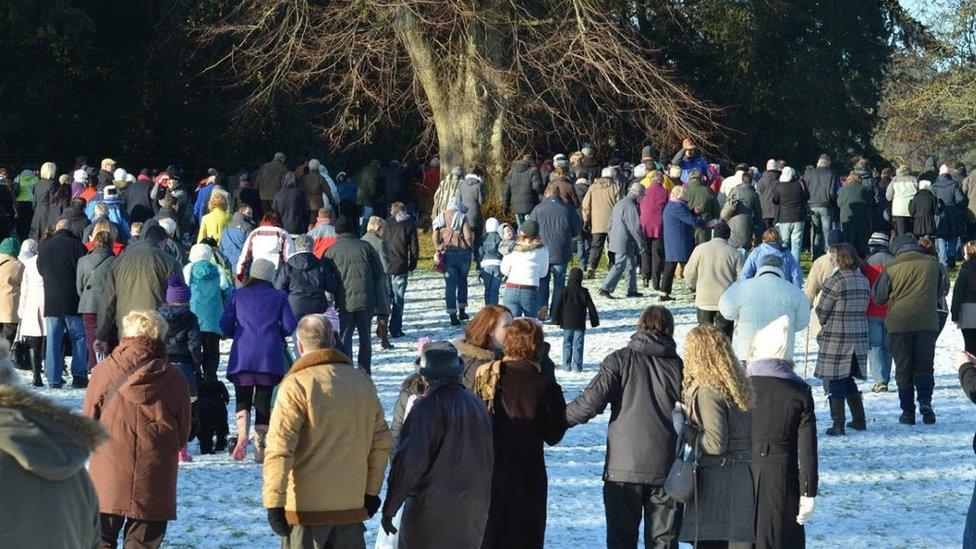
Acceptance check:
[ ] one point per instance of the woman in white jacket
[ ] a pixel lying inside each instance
(524, 266)
(30, 308)
(900, 192)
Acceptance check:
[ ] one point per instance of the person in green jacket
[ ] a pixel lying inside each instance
(702, 201)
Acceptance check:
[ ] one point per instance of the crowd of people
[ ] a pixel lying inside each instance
(139, 277)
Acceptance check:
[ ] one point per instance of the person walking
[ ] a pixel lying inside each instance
(716, 417)
(900, 193)
(445, 448)
(527, 410)
(843, 339)
(679, 238)
(266, 241)
(570, 314)
(91, 277)
(270, 177)
(453, 242)
(772, 245)
(317, 190)
(595, 209)
(328, 428)
(950, 218)
(472, 194)
(743, 213)
(483, 340)
(627, 242)
(306, 279)
(523, 187)
(641, 382)
(911, 285)
(57, 263)
(11, 277)
(212, 224)
(967, 379)
(30, 308)
(292, 206)
(765, 186)
(257, 318)
(784, 442)
(490, 267)
(879, 352)
(712, 268)
(403, 251)
(790, 197)
(523, 268)
(702, 201)
(209, 292)
(143, 402)
(822, 183)
(559, 223)
(923, 208)
(963, 309)
(652, 224)
(856, 206)
(363, 290)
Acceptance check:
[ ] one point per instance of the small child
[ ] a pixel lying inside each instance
(570, 313)
(490, 270)
(507, 232)
(184, 344)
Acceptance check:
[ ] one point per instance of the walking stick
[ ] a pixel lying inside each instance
(806, 354)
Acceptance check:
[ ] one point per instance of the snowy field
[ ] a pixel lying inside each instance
(891, 486)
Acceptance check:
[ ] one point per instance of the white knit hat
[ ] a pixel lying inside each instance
(787, 175)
(640, 171)
(771, 341)
(262, 269)
(119, 175)
(80, 176)
(200, 252)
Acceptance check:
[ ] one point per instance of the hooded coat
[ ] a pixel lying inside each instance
(144, 404)
(30, 309)
(137, 281)
(442, 470)
(641, 383)
(206, 295)
(912, 285)
(91, 278)
(234, 236)
(950, 219)
(305, 279)
(923, 207)
(856, 210)
(523, 187)
(472, 195)
(292, 207)
(575, 304)
(43, 451)
(183, 341)
(258, 318)
(11, 275)
(791, 269)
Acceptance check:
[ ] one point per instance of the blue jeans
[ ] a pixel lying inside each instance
(947, 248)
(622, 263)
(583, 249)
(55, 327)
(969, 534)
(792, 235)
(398, 289)
(879, 357)
(522, 302)
(457, 263)
(557, 273)
(491, 277)
(821, 220)
(573, 349)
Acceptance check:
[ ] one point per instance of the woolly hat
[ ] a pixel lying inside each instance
(772, 341)
(491, 225)
(176, 289)
(10, 246)
(529, 228)
(607, 172)
(439, 360)
(787, 175)
(80, 176)
(262, 269)
(647, 153)
(879, 239)
(119, 174)
(924, 184)
(640, 171)
(200, 252)
(943, 169)
(559, 158)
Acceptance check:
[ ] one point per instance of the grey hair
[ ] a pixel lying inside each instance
(313, 164)
(823, 161)
(148, 324)
(315, 332)
(169, 225)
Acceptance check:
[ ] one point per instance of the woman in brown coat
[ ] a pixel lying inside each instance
(144, 404)
(527, 408)
(11, 272)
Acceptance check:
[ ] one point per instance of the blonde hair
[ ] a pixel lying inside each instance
(710, 362)
(375, 224)
(148, 324)
(48, 170)
(678, 192)
(217, 200)
(103, 226)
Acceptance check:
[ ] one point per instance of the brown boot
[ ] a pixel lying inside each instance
(590, 274)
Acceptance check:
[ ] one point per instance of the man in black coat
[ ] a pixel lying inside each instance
(641, 383)
(402, 250)
(75, 214)
(305, 279)
(765, 186)
(57, 262)
(138, 204)
(291, 203)
(523, 186)
(559, 223)
(822, 184)
(445, 449)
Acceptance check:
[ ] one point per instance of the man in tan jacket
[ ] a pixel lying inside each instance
(328, 430)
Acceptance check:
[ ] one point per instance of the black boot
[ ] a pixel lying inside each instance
(36, 360)
(856, 404)
(836, 414)
(461, 314)
(79, 382)
(906, 398)
(454, 320)
(924, 389)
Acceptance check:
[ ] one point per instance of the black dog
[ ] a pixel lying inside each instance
(211, 411)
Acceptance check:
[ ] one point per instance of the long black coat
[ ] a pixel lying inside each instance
(138, 204)
(523, 187)
(402, 247)
(57, 261)
(442, 470)
(305, 279)
(784, 452)
(292, 206)
(184, 344)
(923, 207)
(529, 409)
(967, 378)
(856, 205)
(765, 186)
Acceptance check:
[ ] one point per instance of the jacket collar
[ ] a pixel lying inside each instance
(773, 367)
(319, 357)
(466, 349)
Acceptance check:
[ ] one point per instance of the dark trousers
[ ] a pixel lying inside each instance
(627, 503)
(716, 319)
(259, 396)
(841, 388)
(969, 337)
(211, 353)
(342, 536)
(357, 322)
(914, 355)
(652, 261)
(667, 277)
(596, 250)
(903, 225)
(25, 213)
(137, 534)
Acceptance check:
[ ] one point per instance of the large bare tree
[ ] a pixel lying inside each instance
(490, 78)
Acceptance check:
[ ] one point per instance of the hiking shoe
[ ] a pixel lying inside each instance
(455, 321)
(928, 414)
(665, 297)
(880, 387)
(634, 294)
(906, 419)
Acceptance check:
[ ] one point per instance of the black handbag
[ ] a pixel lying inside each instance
(680, 483)
(21, 353)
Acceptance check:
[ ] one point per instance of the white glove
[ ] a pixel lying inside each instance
(678, 419)
(806, 509)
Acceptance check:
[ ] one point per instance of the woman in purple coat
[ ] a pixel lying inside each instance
(258, 318)
(652, 225)
(679, 237)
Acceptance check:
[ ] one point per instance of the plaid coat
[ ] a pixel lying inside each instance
(842, 312)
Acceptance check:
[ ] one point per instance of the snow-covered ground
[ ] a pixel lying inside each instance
(891, 486)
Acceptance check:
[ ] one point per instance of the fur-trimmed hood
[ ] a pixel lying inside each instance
(467, 350)
(529, 245)
(47, 440)
(319, 357)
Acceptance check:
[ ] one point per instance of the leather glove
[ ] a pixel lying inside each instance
(806, 509)
(678, 419)
(387, 524)
(276, 518)
(372, 504)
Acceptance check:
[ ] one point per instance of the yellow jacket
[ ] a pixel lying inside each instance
(327, 444)
(213, 224)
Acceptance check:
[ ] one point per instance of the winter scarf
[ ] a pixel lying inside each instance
(486, 382)
(773, 367)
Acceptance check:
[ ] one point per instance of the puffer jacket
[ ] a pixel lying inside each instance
(91, 277)
(791, 269)
(641, 383)
(306, 279)
(900, 193)
(144, 404)
(362, 282)
(183, 341)
(523, 187)
(598, 203)
(527, 263)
